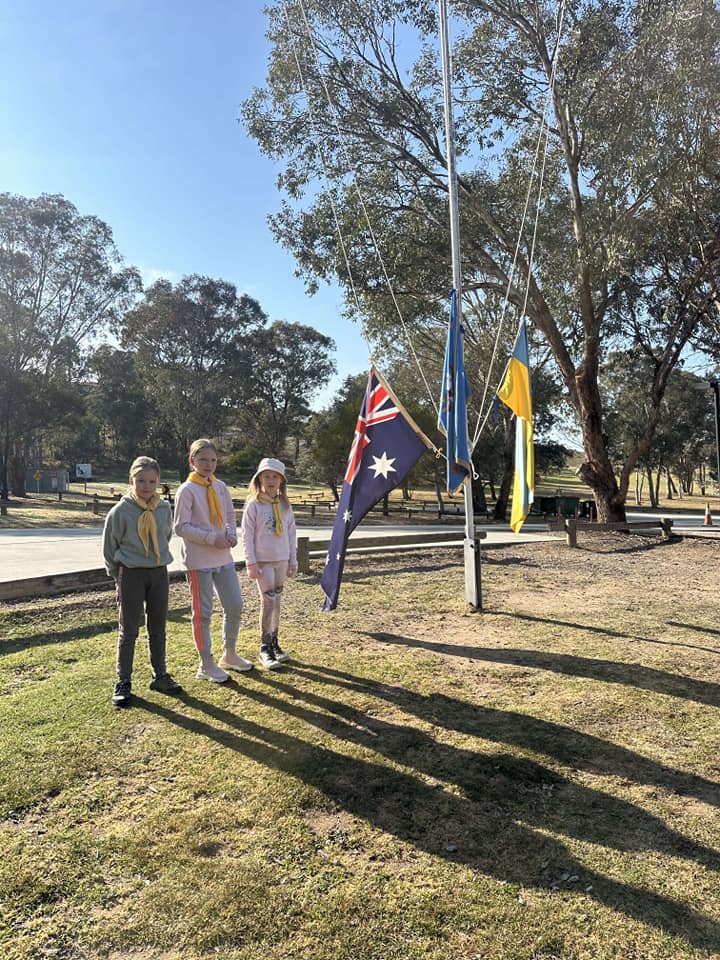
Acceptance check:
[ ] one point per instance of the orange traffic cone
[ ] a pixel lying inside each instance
(707, 522)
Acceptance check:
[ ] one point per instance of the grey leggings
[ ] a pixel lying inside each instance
(270, 587)
(224, 582)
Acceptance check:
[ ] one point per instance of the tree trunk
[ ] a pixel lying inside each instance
(478, 497)
(503, 496)
(4, 467)
(651, 486)
(597, 471)
(17, 472)
(657, 484)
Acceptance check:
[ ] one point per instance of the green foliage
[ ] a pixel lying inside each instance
(328, 436)
(626, 247)
(61, 284)
(285, 366)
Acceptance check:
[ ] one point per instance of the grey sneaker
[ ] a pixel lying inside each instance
(233, 661)
(122, 694)
(164, 683)
(267, 657)
(212, 672)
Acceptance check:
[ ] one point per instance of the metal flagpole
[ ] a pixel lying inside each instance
(473, 593)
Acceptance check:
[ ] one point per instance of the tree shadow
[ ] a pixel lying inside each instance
(178, 614)
(484, 828)
(692, 626)
(16, 644)
(594, 628)
(607, 671)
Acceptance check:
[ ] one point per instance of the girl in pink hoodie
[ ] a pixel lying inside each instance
(270, 542)
(205, 520)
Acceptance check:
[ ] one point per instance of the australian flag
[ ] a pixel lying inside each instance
(386, 445)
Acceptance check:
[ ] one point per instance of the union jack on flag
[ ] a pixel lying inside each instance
(385, 447)
(377, 407)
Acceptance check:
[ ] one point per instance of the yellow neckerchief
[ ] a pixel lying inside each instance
(275, 503)
(147, 526)
(216, 514)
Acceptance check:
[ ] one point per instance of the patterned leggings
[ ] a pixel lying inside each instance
(270, 587)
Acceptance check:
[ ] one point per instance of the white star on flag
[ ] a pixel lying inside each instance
(347, 515)
(383, 465)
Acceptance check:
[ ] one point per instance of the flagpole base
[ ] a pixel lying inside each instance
(473, 579)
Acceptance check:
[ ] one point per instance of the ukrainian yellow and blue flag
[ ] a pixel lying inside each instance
(514, 391)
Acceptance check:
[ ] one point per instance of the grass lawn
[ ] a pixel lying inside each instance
(536, 781)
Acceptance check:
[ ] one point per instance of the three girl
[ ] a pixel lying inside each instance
(205, 520)
(136, 553)
(269, 541)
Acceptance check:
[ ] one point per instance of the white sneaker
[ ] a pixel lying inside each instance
(233, 661)
(212, 672)
(267, 657)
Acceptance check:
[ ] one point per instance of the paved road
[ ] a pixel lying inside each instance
(41, 552)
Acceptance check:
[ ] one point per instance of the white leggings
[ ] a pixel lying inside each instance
(270, 583)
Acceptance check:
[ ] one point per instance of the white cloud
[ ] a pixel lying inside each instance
(151, 274)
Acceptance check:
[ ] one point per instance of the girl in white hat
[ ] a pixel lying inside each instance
(269, 539)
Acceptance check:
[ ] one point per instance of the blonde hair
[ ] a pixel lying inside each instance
(197, 445)
(254, 491)
(144, 463)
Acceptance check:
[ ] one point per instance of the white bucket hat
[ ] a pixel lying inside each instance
(270, 463)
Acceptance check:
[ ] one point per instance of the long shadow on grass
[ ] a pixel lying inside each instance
(48, 637)
(693, 626)
(481, 829)
(580, 751)
(594, 628)
(43, 637)
(608, 671)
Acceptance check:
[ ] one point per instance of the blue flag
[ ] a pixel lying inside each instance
(386, 445)
(452, 418)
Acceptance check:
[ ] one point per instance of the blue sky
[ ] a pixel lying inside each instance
(129, 108)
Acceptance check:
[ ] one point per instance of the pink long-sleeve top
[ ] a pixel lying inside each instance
(192, 523)
(260, 542)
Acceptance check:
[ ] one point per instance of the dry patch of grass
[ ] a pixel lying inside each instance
(536, 781)
(44, 510)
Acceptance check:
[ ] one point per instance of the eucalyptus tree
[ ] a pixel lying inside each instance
(190, 345)
(62, 282)
(622, 100)
(684, 437)
(285, 367)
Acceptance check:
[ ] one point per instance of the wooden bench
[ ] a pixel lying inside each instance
(571, 526)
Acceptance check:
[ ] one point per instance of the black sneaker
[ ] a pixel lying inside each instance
(122, 695)
(267, 657)
(280, 654)
(164, 683)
